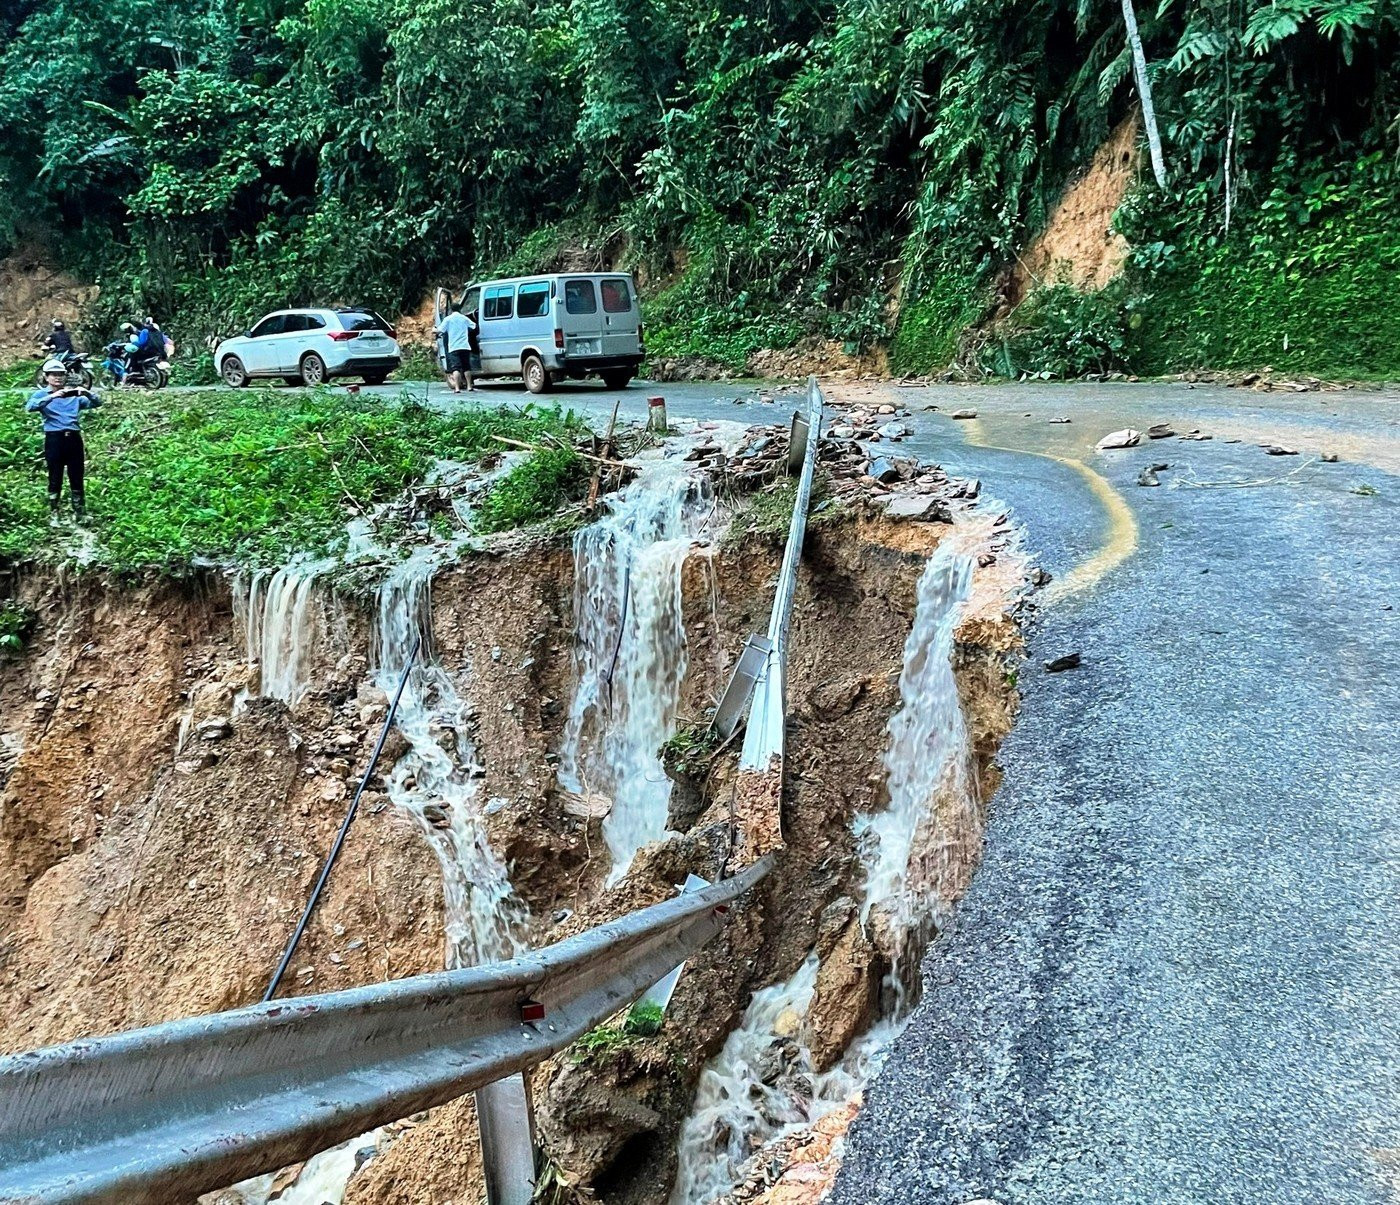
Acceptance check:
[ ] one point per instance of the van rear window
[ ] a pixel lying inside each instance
(616, 297)
(579, 297)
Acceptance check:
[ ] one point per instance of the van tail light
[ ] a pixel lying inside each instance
(558, 338)
(342, 336)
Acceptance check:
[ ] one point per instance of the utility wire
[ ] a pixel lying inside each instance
(344, 827)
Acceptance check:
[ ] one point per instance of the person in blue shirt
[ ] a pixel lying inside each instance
(59, 406)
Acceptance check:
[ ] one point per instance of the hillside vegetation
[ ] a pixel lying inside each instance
(773, 170)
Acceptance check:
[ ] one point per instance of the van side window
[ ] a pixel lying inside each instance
(498, 301)
(533, 300)
(579, 297)
(616, 299)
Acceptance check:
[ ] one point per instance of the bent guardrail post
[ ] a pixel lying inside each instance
(174, 1110)
(763, 739)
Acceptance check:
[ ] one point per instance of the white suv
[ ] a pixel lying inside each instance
(308, 347)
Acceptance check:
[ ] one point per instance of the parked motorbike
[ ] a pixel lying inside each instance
(79, 375)
(122, 367)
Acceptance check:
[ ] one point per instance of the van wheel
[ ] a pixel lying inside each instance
(234, 374)
(618, 378)
(537, 379)
(313, 370)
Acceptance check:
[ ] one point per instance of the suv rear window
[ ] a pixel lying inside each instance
(616, 298)
(579, 297)
(362, 320)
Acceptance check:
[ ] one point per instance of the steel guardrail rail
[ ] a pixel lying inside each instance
(763, 738)
(173, 1110)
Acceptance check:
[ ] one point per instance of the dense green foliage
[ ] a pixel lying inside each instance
(254, 476)
(537, 486)
(772, 170)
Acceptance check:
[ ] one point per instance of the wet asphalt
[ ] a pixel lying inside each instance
(1176, 977)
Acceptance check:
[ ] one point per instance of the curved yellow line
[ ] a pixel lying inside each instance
(1122, 539)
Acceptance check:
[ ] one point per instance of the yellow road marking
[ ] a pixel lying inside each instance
(1121, 541)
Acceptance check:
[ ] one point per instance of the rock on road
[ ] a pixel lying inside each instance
(1176, 977)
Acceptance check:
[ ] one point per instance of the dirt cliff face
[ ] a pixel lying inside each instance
(157, 842)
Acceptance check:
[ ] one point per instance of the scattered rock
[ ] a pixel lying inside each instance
(922, 507)
(1160, 431)
(217, 728)
(892, 431)
(1197, 435)
(1148, 476)
(883, 470)
(1060, 420)
(1059, 664)
(841, 432)
(986, 560)
(1039, 577)
(885, 410)
(964, 414)
(1329, 458)
(1278, 450)
(1126, 438)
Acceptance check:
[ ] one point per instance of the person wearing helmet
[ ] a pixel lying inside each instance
(58, 342)
(60, 406)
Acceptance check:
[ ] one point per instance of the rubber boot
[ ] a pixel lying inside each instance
(53, 510)
(79, 508)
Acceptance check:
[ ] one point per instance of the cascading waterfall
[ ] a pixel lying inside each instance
(916, 854)
(630, 651)
(437, 779)
(275, 609)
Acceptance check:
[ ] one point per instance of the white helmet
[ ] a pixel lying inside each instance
(55, 365)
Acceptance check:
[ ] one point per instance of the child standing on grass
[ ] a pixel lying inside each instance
(59, 405)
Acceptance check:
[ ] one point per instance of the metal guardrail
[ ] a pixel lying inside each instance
(174, 1110)
(763, 738)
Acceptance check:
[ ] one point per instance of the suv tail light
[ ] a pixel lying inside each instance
(392, 333)
(341, 336)
(558, 338)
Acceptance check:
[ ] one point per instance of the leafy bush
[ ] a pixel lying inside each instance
(1060, 331)
(16, 623)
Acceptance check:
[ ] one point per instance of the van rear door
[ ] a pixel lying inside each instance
(621, 317)
(581, 317)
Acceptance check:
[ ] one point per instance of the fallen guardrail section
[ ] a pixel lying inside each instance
(192, 1105)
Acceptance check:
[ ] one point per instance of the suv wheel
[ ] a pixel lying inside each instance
(536, 376)
(313, 369)
(234, 374)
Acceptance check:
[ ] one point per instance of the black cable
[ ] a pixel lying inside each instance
(344, 828)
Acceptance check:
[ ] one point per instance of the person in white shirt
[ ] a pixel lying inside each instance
(456, 332)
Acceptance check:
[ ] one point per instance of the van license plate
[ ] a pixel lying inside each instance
(585, 347)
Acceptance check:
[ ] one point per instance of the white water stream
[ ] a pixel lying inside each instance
(630, 651)
(276, 610)
(762, 1084)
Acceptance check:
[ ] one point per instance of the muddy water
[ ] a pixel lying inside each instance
(763, 1084)
(275, 610)
(437, 780)
(630, 652)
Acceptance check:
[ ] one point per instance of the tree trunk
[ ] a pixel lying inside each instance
(1144, 86)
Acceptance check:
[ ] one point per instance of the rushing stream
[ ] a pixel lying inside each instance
(630, 651)
(762, 1085)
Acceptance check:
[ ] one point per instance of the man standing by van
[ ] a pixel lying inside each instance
(456, 333)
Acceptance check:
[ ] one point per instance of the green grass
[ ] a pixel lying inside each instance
(533, 490)
(257, 475)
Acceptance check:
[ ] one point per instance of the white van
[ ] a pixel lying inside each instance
(546, 328)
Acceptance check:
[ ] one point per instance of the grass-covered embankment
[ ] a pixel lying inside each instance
(259, 475)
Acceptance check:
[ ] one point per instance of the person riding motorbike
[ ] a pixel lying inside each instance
(58, 342)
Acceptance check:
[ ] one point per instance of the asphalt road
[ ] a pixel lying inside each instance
(1176, 977)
